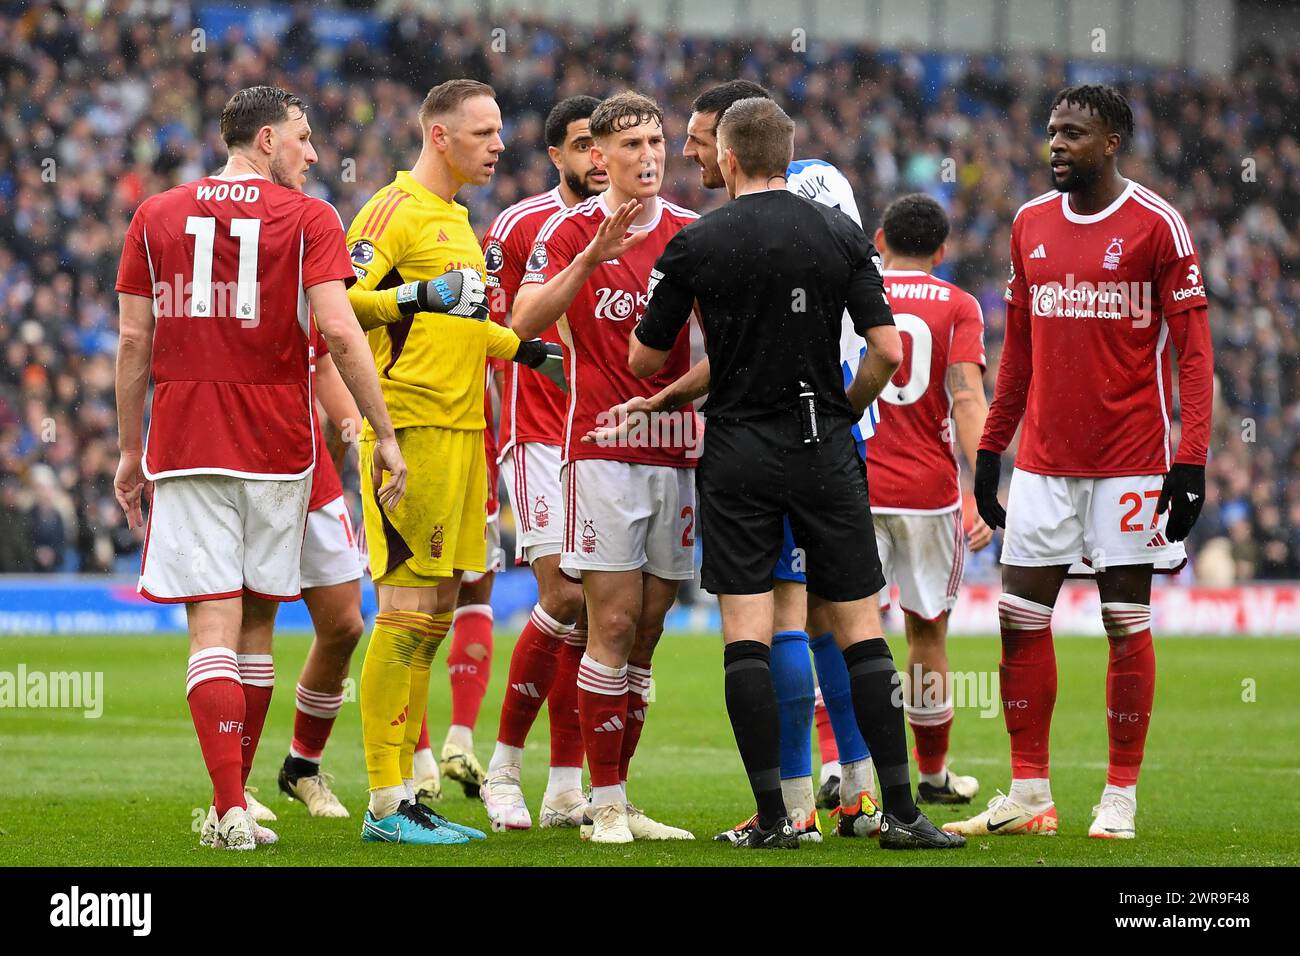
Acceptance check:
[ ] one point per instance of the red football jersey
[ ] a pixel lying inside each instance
(596, 327)
(226, 261)
(1093, 301)
(911, 461)
(325, 483)
(532, 408)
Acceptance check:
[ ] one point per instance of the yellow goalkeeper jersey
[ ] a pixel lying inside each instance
(431, 366)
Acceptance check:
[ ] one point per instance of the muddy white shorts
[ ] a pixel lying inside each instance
(1088, 523)
(923, 555)
(629, 517)
(215, 536)
(329, 551)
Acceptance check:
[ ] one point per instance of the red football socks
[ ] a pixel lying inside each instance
(216, 700)
(1028, 680)
(1130, 688)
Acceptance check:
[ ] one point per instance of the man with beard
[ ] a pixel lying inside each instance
(1103, 278)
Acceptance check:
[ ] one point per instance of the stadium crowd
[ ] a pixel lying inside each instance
(101, 110)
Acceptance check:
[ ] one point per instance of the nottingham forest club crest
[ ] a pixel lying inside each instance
(541, 512)
(1113, 252)
(588, 538)
(435, 543)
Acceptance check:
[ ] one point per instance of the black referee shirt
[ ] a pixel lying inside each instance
(773, 274)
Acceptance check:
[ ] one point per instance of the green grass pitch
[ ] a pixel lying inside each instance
(1218, 787)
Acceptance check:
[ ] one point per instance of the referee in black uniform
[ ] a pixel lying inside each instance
(773, 274)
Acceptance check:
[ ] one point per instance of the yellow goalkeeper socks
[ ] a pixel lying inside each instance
(386, 677)
(418, 701)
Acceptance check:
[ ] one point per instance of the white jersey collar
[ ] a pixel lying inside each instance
(1073, 216)
(603, 202)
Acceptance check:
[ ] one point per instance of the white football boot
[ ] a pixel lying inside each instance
(644, 828)
(1114, 818)
(315, 793)
(609, 824)
(208, 834)
(563, 810)
(256, 808)
(237, 830)
(503, 799)
(1006, 817)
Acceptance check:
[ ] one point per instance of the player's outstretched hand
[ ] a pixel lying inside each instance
(1183, 493)
(388, 458)
(981, 535)
(988, 474)
(611, 239)
(129, 486)
(456, 292)
(544, 357)
(617, 419)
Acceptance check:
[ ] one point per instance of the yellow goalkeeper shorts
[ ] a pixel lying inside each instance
(440, 524)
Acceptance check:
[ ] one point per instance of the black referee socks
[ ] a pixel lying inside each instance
(756, 722)
(878, 705)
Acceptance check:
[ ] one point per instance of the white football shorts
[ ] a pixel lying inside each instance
(1087, 523)
(629, 517)
(532, 475)
(216, 536)
(329, 551)
(923, 555)
(495, 555)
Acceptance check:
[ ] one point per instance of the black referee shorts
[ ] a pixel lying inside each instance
(751, 475)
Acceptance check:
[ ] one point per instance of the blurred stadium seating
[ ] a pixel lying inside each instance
(101, 110)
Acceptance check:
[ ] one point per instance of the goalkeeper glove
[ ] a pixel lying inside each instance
(1183, 493)
(457, 292)
(546, 358)
(988, 474)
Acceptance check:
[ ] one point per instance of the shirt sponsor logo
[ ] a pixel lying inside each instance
(363, 252)
(1091, 300)
(494, 256)
(1197, 288)
(617, 305)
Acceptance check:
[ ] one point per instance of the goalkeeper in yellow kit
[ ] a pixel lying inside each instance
(413, 252)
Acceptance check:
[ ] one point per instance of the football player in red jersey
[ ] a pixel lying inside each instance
(1104, 278)
(544, 665)
(630, 508)
(212, 307)
(912, 470)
